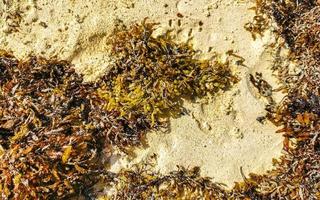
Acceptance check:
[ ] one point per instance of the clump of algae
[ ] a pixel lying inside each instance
(152, 74)
(296, 174)
(48, 148)
(141, 183)
(54, 126)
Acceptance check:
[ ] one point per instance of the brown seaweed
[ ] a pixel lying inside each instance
(54, 127)
(151, 76)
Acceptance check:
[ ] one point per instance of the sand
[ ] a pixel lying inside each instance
(221, 134)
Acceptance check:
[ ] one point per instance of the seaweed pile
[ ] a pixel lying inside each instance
(49, 149)
(150, 77)
(141, 183)
(297, 172)
(54, 127)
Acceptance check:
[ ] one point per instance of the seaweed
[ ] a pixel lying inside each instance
(54, 127)
(49, 150)
(151, 75)
(296, 174)
(140, 182)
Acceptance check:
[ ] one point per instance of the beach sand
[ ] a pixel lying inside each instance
(220, 134)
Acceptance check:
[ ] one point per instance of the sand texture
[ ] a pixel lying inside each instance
(220, 134)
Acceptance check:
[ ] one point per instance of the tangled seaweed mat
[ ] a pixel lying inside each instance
(297, 172)
(54, 127)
